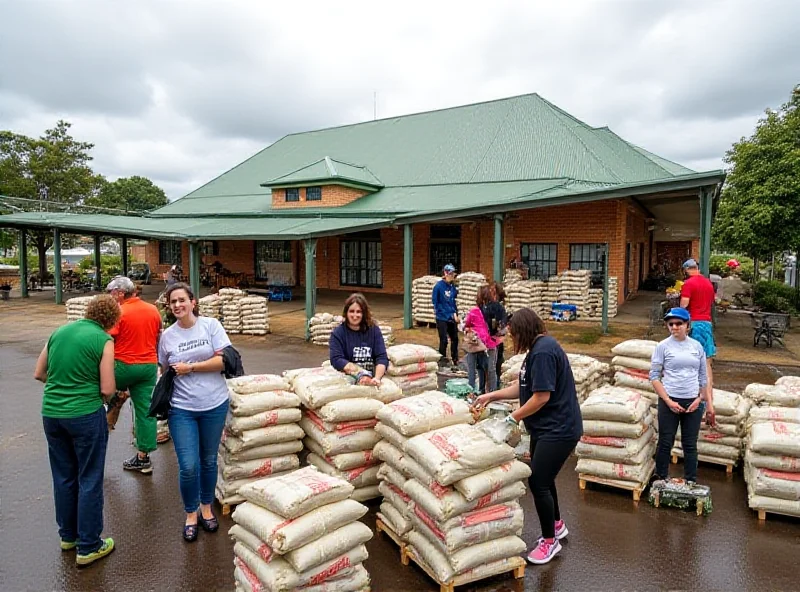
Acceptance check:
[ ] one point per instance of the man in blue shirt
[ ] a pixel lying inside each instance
(444, 305)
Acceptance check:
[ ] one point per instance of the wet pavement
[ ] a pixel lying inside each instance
(614, 544)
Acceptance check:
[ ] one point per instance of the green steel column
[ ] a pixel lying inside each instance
(22, 249)
(408, 258)
(194, 268)
(98, 266)
(57, 265)
(706, 202)
(310, 247)
(124, 249)
(498, 248)
(605, 293)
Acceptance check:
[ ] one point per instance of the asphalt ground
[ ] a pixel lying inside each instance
(614, 544)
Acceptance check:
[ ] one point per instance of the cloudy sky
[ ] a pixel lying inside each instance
(180, 91)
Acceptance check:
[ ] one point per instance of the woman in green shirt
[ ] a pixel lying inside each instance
(77, 369)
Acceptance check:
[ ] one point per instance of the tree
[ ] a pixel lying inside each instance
(131, 194)
(759, 213)
(51, 168)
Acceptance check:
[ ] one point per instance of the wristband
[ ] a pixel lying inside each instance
(362, 374)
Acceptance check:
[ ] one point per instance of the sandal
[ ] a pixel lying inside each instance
(190, 533)
(210, 525)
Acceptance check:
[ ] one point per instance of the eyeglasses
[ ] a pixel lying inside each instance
(675, 324)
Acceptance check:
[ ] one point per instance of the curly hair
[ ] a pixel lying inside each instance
(366, 315)
(104, 311)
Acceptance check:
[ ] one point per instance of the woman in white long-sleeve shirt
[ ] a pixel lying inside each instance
(678, 374)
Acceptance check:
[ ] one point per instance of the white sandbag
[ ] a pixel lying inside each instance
(238, 424)
(770, 414)
(394, 519)
(258, 468)
(617, 471)
(635, 348)
(452, 504)
(356, 581)
(318, 390)
(286, 535)
(297, 493)
(636, 363)
(393, 494)
(425, 412)
(346, 461)
(720, 451)
(329, 546)
(363, 494)
(228, 499)
(627, 380)
(726, 402)
(788, 381)
(230, 487)
(333, 443)
(612, 403)
(629, 453)
(414, 384)
(458, 451)
(397, 439)
(778, 438)
(617, 429)
(359, 477)
(265, 451)
(492, 479)
(415, 368)
(784, 464)
(388, 453)
(342, 427)
(258, 383)
(251, 404)
(773, 504)
(349, 410)
(408, 353)
(252, 542)
(776, 396)
(262, 436)
(713, 436)
(388, 473)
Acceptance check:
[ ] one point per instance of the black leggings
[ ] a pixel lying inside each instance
(500, 359)
(448, 329)
(547, 458)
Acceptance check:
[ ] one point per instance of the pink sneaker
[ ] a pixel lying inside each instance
(561, 530)
(544, 551)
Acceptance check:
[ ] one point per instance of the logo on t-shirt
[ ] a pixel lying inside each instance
(362, 355)
(192, 344)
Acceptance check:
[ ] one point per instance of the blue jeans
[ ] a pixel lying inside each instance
(196, 436)
(77, 450)
(481, 365)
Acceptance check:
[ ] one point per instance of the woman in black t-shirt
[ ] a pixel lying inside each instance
(549, 408)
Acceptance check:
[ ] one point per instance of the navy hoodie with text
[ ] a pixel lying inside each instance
(364, 348)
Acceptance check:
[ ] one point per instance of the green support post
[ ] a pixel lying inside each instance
(706, 203)
(498, 248)
(57, 265)
(124, 253)
(98, 266)
(310, 247)
(23, 262)
(194, 268)
(408, 258)
(605, 293)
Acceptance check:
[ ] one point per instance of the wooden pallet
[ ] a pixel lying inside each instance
(728, 465)
(226, 508)
(636, 488)
(762, 514)
(518, 569)
(382, 527)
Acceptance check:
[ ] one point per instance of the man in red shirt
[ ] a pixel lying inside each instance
(135, 364)
(698, 296)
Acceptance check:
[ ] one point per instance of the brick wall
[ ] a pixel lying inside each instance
(138, 253)
(332, 196)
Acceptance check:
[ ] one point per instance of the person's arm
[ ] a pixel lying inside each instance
(702, 377)
(108, 385)
(686, 294)
(40, 373)
(536, 402)
(684, 301)
(336, 352)
(219, 341)
(656, 374)
(436, 297)
(509, 392)
(381, 357)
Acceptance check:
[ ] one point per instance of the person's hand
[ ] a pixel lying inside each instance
(483, 400)
(674, 407)
(456, 319)
(693, 407)
(711, 416)
(182, 368)
(368, 381)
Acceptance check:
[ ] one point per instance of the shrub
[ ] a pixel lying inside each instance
(717, 265)
(776, 297)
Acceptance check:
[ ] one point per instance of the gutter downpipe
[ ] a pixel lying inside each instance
(408, 258)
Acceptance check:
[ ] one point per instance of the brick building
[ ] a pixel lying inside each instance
(369, 206)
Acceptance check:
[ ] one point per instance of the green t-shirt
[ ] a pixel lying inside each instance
(74, 352)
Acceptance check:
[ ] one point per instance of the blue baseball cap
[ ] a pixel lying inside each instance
(449, 268)
(678, 313)
(690, 263)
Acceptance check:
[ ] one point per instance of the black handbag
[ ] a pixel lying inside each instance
(161, 402)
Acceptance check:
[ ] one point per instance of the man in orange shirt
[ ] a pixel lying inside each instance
(135, 364)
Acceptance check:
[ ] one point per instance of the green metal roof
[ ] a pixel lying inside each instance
(327, 170)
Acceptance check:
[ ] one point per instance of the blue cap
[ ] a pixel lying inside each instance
(690, 263)
(449, 268)
(678, 313)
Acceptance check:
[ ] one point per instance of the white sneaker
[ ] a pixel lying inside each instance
(561, 530)
(543, 552)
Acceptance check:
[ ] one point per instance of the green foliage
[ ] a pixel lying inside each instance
(590, 337)
(33, 261)
(776, 297)
(132, 194)
(717, 265)
(759, 213)
(110, 265)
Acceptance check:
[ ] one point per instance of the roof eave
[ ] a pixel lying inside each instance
(343, 181)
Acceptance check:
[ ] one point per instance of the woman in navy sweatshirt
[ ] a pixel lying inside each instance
(356, 346)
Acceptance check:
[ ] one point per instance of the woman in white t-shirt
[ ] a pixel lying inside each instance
(193, 348)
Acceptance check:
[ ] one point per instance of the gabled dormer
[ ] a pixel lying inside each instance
(325, 183)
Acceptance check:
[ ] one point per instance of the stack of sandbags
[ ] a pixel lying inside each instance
(210, 306)
(300, 531)
(462, 502)
(594, 302)
(772, 455)
(255, 315)
(618, 440)
(321, 325)
(539, 303)
(339, 424)
(398, 421)
(76, 307)
(518, 296)
(509, 370)
(550, 291)
(724, 443)
(261, 436)
(231, 311)
(589, 374)
(574, 289)
(387, 332)
(413, 368)
(511, 276)
(631, 366)
(468, 284)
(422, 299)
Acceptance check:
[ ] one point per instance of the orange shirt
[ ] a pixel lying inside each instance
(136, 333)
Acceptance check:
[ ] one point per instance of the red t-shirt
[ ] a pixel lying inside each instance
(700, 292)
(136, 333)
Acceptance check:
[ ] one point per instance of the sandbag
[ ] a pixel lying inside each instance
(238, 424)
(349, 410)
(770, 414)
(408, 353)
(615, 404)
(328, 546)
(726, 402)
(625, 380)
(458, 451)
(415, 368)
(636, 363)
(492, 479)
(388, 473)
(389, 454)
(397, 439)
(778, 438)
(286, 535)
(602, 428)
(425, 412)
(617, 471)
(394, 518)
(333, 443)
(258, 383)
(414, 384)
(261, 436)
(263, 401)
(363, 494)
(472, 557)
(358, 477)
(635, 348)
(721, 451)
(318, 390)
(346, 461)
(784, 464)
(453, 504)
(776, 396)
(258, 452)
(773, 504)
(635, 453)
(341, 427)
(258, 468)
(393, 494)
(252, 542)
(297, 493)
